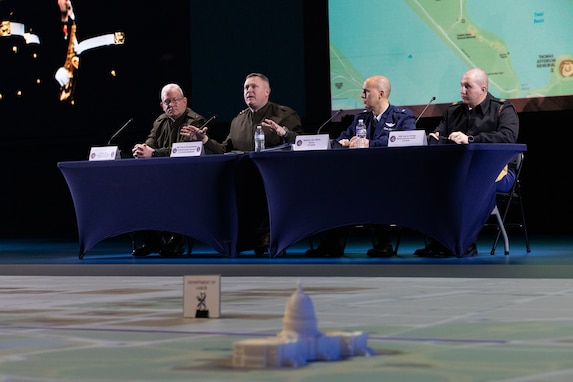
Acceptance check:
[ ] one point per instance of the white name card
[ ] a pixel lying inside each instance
(104, 153)
(311, 142)
(187, 149)
(202, 296)
(407, 138)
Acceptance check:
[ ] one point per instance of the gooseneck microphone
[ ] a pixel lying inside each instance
(208, 122)
(328, 120)
(120, 130)
(423, 111)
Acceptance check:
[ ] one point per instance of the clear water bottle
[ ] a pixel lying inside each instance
(259, 139)
(360, 134)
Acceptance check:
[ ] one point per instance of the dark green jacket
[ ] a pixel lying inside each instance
(242, 130)
(165, 132)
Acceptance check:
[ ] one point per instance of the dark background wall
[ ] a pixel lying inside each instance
(207, 47)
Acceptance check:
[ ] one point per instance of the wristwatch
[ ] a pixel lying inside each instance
(154, 153)
(470, 139)
(286, 132)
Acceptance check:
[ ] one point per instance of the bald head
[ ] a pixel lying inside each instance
(375, 93)
(479, 76)
(380, 83)
(474, 87)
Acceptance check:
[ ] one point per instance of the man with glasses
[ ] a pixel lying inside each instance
(170, 127)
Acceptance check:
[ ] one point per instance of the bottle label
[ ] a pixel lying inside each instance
(259, 140)
(361, 135)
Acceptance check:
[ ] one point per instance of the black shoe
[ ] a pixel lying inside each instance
(384, 250)
(144, 250)
(437, 250)
(174, 247)
(471, 251)
(433, 249)
(325, 252)
(152, 244)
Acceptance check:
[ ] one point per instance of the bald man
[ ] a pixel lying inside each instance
(478, 118)
(380, 116)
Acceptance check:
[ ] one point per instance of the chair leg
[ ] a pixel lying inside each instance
(524, 227)
(501, 231)
(502, 224)
(497, 235)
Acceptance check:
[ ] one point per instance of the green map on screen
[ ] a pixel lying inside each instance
(424, 47)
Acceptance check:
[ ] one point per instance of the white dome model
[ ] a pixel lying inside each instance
(300, 340)
(299, 319)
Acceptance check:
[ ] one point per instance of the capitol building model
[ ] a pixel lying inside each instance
(300, 341)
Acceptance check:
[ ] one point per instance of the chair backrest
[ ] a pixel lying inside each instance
(518, 160)
(518, 164)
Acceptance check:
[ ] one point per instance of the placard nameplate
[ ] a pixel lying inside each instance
(202, 296)
(104, 153)
(407, 138)
(187, 149)
(311, 142)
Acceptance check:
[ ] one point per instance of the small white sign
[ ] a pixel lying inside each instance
(311, 142)
(187, 149)
(202, 296)
(104, 153)
(407, 138)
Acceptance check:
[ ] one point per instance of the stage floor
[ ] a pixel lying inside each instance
(550, 257)
(117, 328)
(112, 317)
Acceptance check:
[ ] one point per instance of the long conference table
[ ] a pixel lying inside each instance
(445, 191)
(191, 195)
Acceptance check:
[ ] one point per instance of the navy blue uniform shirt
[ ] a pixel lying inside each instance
(394, 118)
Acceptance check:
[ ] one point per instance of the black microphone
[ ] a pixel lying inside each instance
(328, 120)
(206, 123)
(423, 111)
(120, 130)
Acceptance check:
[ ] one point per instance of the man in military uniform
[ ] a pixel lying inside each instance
(281, 124)
(380, 117)
(168, 128)
(478, 118)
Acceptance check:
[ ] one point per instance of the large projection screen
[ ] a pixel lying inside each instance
(424, 47)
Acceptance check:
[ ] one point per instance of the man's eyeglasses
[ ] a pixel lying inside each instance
(168, 101)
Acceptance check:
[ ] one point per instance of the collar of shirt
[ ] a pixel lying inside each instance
(379, 116)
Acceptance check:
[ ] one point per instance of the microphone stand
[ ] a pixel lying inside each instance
(120, 130)
(423, 111)
(328, 120)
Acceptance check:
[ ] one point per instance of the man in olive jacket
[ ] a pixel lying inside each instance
(281, 124)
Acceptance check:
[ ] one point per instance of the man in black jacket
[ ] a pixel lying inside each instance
(478, 118)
